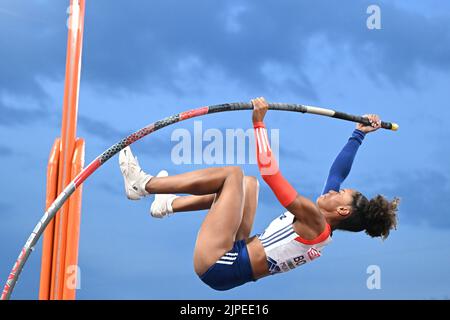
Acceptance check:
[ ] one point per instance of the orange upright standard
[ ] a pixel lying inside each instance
(59, 267)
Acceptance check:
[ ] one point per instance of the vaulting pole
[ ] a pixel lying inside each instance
(110, 152)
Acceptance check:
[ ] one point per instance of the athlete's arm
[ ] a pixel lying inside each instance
(343, 163)
(267, 164)
(302, 208)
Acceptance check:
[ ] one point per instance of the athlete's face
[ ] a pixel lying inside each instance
(333, 201)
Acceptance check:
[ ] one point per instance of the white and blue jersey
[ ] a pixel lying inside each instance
(285, 249)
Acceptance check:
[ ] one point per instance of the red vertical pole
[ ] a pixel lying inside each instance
(68, 136)
(47, 246)
(71, 275)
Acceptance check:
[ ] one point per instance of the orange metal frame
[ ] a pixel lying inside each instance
(60, 246)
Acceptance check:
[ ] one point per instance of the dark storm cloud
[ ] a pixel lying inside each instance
(32, 41)
(163, 40)
(129, 44)
(146, 45)
(127, 47)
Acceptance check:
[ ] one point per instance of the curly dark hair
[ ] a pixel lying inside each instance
(377, 216)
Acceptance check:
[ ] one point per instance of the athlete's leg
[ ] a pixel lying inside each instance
(251, 186)
(218, 230)
(200, 182)
(194, 203)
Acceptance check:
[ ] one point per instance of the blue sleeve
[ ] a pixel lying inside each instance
(343, 162)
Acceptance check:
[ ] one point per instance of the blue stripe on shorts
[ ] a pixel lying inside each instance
(231, 270)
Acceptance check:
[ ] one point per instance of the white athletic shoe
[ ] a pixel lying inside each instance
(134, 177)
(162, 205)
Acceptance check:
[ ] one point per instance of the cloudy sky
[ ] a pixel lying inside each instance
(145, 60)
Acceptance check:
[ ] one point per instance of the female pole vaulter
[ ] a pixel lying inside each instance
(225, 256)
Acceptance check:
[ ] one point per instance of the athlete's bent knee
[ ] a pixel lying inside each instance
(251, 183)
(236, 171)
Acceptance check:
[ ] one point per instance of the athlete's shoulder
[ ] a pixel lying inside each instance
(322, 239)
(308, 213)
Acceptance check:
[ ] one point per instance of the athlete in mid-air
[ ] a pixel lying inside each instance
(225, 256)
